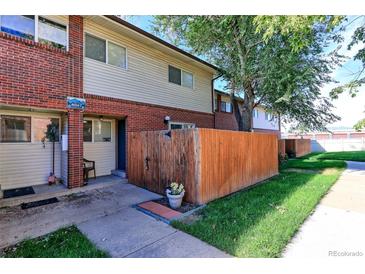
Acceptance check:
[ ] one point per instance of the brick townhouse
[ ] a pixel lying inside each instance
(129, 79)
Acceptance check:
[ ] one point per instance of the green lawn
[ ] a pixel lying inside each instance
(259, 222)
(358, 156)
(63, 243)
(317, 161)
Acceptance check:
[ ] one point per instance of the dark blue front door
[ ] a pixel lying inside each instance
(121, 144)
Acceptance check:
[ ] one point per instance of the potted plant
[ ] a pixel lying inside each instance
(51, 135)
(175, 194)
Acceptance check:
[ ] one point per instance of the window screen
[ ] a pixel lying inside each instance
(174, 75)
(40, 128)
(95, 48)
(52, 33)
(88, 131)
(19, 25)
(102, 131)
(187, 79)
(15, 129)
(116, 55)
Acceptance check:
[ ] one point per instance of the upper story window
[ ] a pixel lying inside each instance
(255, 113)
(268, 116)
(226, 107)
(105, 51)
(19, 25)
(52, 33)
(181, 77)
(36, 28)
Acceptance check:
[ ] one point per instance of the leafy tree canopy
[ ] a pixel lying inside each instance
(359, 77)
(277, 61)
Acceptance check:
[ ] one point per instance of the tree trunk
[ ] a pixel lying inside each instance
(244, 114)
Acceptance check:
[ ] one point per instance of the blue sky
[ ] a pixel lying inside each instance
(349, 109)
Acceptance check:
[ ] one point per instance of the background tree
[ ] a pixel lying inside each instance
(282, 69)
(359, 76)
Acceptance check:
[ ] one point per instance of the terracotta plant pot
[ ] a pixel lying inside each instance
(175, 200)
(51, 179)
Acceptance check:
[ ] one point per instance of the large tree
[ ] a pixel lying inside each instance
(281, 69)
(358, 80)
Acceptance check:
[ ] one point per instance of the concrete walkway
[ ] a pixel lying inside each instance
(107, 218)
(338, 223)
(131, 233)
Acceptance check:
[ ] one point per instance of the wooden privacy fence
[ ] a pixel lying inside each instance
(298, 147)
(281, 147)
(210, 163)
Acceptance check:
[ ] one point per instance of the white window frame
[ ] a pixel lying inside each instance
(93, 129)
(36, 26)
(32, 126)
(181, 71)
(180, 123)
(106, 50)
(255, 113)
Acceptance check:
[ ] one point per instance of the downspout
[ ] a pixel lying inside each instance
(212, 87)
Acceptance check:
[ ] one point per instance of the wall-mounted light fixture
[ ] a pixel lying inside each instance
(166, 120)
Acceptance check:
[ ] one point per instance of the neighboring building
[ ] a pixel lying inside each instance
(130, 80)
(337, 139)
(332, 134)
(224, 117)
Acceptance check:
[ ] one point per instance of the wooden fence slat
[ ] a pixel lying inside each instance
(210, 163)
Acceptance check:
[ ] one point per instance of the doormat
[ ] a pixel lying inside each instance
(16, 192)
(39, 203)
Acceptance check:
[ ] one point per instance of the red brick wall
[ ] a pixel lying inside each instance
(36, 75)
(277, 132)
(226, 121)
(144, 116)
(32, 74)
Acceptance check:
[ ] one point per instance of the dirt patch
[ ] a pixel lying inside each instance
(300, 170)
(190, 219)
(329, 171)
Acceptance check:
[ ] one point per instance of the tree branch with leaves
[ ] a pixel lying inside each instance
(275, 61)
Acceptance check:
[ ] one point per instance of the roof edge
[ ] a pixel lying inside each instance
(159, 40)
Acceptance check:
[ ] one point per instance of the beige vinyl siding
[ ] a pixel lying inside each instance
(146, 77)
(103, 153)
(27, 164)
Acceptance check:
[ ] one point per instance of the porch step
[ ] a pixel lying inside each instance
(119, 173)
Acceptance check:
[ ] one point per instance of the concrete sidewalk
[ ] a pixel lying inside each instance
(131, 233)
(107, 218)
(338, 223)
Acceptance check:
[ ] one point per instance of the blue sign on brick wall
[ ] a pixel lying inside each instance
(76, 103)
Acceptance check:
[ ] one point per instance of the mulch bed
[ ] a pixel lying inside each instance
(185, 207)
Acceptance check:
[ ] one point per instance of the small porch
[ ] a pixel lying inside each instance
(44, 191)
